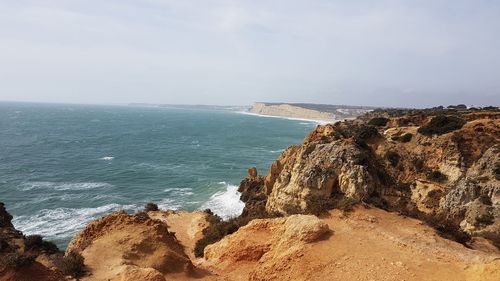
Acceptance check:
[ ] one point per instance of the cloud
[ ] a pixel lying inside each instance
(236, 52)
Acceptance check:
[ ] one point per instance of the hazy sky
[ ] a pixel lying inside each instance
(392, 53)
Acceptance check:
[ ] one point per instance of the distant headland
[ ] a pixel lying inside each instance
(309, 110)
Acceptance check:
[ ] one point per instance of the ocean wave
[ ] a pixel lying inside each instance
(169, 204)
(180, 191)
(107, 158)
(227, 203)
(63, 223)
(277, 151)
(63, 185)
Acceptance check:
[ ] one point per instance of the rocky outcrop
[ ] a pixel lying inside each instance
(265, 239)
(475, 201)
(452, 174)
(119, 239)
(253, 194)
(134, 273)
(317, 170)
(23, 259)
(367, 244)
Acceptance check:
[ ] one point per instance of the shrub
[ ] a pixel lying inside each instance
(4, 245)
(419, 164)
(17, 261)
(363, 133)
(378, 121)
(73, 264)
(150, 207)
(403, 138)
(441, 124)
(216, 230)
(361, 159)
(393, 157)
(496, 171)
(318, 205)
(437, 176)
(36, 242)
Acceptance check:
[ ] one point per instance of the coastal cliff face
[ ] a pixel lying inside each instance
(287, 110)
(308, 111)
(362, 179)
(449, 175)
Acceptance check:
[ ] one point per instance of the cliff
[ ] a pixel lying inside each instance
(439, 166)
(391, 195)
(308, 111)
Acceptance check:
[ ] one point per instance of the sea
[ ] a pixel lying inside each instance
(63, 165)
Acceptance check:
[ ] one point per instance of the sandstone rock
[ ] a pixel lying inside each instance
(317, 170)
(263, 237)
(134, 273)
(252, 172)
(119, 238)
(475, 201)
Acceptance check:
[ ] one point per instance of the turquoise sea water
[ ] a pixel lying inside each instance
(64, 165)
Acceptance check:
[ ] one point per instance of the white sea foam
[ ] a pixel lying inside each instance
(107, 158)
(227, 203)
(180, 191)
(63, 222)
(314, 121)
(276, 151)
(169, 204)
(63, 185)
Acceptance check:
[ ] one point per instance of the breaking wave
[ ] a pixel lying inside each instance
(227, 203)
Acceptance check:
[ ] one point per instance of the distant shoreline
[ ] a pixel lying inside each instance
(321, 113)
(317, 121)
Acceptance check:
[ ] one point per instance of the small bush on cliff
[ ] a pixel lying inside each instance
(441, 124)
(36, 243)
(73, 264)
(378, 121)
(150, 207)
(4, 245)
(403, 138)
(17, 261)
(218, 229)
(437, 176)
(393, 157)
(363, 133)
(318, 205)
(496, 171)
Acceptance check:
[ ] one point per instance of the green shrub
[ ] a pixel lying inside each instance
(73, 264)
(18, 261)
(378, 121)
(318, 205)
(437, 176)
(403, 138)
(361, 159)
(441, 124)
(36, 243)
(363, 133)
(150, 207)
(496, 171)
(216, 230)
(419, 164)
(393, 157)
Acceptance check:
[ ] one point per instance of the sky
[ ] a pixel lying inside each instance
(382, 53)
